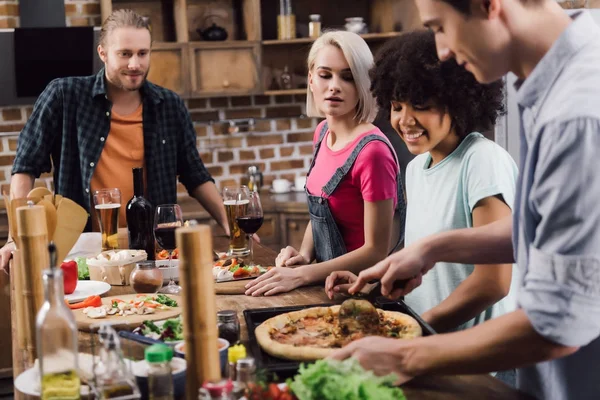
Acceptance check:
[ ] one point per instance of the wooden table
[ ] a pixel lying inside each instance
(464, 387)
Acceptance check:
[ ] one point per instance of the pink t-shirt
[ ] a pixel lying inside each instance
(372, 178)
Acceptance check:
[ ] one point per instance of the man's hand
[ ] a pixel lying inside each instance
(6, 255)
(339, 282)
(409, 264)
(373, 353)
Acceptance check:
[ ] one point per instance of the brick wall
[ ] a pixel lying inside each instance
(279, 144)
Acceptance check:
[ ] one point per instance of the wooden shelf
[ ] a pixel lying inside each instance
(223, 44)
(284, 92)
(366, 36)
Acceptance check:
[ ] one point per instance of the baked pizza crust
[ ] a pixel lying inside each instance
(309, 353)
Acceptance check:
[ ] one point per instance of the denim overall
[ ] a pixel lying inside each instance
(327, 237)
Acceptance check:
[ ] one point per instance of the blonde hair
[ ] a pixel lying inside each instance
(359, 57)
(123, 18)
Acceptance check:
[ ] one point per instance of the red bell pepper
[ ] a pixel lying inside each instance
(70, 276)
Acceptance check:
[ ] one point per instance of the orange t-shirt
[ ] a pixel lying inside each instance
(123, 150)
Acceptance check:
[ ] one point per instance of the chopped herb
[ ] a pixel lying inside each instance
(167, 301)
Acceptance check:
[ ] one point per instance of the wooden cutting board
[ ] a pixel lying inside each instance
(128, 322)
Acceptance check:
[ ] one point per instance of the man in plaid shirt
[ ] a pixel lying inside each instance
(94, 129)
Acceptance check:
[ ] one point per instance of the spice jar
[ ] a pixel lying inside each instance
(229, 326)
(314, 26)
(146, 277)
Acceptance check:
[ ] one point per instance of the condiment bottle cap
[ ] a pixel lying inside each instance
(158, 353)
(234, 353)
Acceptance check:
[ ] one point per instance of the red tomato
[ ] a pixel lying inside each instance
(274, 391)
(69, 269)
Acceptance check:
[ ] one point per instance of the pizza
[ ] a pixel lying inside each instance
(315, 333)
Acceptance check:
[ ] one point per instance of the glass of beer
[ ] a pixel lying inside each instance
(107, 203)
(235, 199)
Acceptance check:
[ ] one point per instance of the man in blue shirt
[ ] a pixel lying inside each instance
(554, 234)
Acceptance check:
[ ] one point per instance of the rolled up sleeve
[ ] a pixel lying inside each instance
(561, 291)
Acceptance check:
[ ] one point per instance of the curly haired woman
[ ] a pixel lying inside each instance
(458, 178)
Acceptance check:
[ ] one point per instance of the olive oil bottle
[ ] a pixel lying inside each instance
(57, 339)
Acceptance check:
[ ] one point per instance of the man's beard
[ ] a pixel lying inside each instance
(118, 80)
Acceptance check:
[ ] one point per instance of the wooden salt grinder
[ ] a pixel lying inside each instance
(199, 308)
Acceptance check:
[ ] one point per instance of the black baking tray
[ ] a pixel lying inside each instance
(281, 369)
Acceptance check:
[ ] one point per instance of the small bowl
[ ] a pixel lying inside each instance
(140, 372)
(223, 346)
(167, 272)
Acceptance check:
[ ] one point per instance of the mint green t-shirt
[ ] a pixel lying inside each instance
(442, 198)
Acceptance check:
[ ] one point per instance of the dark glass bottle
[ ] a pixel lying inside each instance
(140, 217)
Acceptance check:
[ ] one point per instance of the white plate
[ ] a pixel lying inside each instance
(26, 384)
(275, 192)
(86, 289)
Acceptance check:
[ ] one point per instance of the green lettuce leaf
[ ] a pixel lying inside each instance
(343, 380)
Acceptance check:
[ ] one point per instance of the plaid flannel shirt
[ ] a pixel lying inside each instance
(70, 124)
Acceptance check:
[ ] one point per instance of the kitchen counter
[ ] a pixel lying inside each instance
(464, 387)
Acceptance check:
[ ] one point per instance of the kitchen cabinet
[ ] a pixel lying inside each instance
(293, 226)
(218, 70)
(252, 57)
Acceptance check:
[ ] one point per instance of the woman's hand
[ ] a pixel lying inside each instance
(339, 282)
(290, 256)
(277, 280)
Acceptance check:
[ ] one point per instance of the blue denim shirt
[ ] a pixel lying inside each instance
(556, 227)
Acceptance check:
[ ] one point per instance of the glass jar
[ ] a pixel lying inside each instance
(286, 21)
(146, 277)
(314, 26)
(229, 326)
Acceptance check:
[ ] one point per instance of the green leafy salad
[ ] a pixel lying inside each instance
(170, 331)
(342, 380)
(83, 272)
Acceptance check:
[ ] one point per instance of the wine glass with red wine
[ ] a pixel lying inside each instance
(250, 219)
(167, 218)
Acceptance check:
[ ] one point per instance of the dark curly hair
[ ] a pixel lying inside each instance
(407, 69)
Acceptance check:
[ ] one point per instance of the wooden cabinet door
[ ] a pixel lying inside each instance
(169, 67)
(294, 226)
(225, 68)
(269, 231)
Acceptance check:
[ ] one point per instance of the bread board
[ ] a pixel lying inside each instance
(129, 322)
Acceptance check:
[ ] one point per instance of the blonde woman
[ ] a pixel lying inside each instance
(353, 184)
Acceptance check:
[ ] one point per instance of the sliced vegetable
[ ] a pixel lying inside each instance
(83, 271)
(166, 300)
(92, 301)
(343, 380)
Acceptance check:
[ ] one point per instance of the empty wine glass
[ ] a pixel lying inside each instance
(168, 217)
(250, 218)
